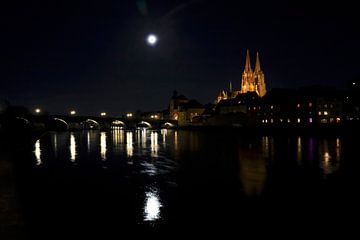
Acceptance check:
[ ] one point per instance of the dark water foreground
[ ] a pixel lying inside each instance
(175, 183)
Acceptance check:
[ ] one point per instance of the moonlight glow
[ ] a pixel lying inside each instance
(152, 207)
(152, 40)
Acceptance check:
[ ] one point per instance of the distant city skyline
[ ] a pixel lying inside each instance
(94, 57)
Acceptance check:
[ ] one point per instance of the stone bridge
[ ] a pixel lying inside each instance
(61, 122)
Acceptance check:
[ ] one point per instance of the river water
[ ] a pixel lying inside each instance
(172, 181)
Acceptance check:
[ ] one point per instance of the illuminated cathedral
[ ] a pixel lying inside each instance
(252, 81)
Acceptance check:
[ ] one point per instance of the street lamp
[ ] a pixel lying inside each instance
(129, 115)
(103, 114)
(72, 112)
(37, 110)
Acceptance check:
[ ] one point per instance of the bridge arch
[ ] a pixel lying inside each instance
(168, 125)
(144, 123)
(26, 121)
(63, 122)
(90, 124)
(118, 124)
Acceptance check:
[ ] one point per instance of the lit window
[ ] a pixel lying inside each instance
(337, 120)
(331, 120)
(310, 120)
(298, 105)
(263, 121)
(324, 120)
(326, 113)
(298, 120)
(281, 120)
(266, 120)
(272, 107)
(272, 120)
(325, 105)
(331, 106)
(289, 120)
(319, 113)
(354, 83)
(310, 104)
(254, 108)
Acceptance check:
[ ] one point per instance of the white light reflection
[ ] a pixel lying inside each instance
(37, 153)
(325, 161)
(143, 138)
(88, 142)
(72, 147)
(164, 133)
(299, 153)
(103, 146)
(337, 149)
(55, 145)
(154, 144)
(118, 139)
(152, 206)
(176, 141)
(129, 144)
(265, 146)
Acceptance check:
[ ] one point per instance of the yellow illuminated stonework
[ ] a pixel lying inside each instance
(251, 81)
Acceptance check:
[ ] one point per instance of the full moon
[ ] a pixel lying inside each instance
(152, 40)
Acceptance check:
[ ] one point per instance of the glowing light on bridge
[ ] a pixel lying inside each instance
(103, 114)
(103, 146)
(38, 110)
(129, 115)
(72, 112)
(37, 153)
(152, 206)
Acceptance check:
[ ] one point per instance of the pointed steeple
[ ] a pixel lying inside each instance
(257, 64)
(230, 87)
(247, 62)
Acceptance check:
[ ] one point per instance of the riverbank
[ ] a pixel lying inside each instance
(278, 130)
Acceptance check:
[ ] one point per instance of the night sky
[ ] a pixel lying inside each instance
(92, 55)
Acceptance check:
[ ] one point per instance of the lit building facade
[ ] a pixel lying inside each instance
(184, 110)
(251, 81)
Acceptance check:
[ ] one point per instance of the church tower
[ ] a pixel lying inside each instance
(259, 78)
(247, 81)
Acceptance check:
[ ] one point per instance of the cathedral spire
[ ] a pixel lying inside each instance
(257, 64)
(247, 62)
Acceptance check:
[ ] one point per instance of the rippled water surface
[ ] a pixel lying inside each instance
(160, 180)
